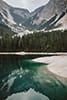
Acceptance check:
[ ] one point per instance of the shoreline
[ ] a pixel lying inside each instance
(56, 64)
(35, 53)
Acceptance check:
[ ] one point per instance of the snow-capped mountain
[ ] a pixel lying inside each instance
(53, 15)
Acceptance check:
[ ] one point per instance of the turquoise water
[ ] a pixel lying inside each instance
(19, 74)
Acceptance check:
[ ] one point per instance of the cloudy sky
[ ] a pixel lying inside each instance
(28, 4)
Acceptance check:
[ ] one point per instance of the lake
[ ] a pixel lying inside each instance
(20, 77)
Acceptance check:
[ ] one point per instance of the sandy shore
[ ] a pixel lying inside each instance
(56, 64)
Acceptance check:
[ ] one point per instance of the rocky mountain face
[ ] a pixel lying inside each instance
(13, 17)
(49, 16)
(52, 12)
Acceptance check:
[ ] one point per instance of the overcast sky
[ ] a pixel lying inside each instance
(28, 4)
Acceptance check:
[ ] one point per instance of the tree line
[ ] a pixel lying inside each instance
(55, 41)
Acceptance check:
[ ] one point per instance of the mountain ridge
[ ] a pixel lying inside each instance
(48, 16)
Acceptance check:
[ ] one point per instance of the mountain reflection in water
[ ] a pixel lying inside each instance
(20, 75)
(30, 95)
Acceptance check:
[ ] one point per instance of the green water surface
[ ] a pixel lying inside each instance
(20, 73)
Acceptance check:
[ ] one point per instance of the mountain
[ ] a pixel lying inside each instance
(4, 20)
(46, 15)
(13, 17)
(53, 15)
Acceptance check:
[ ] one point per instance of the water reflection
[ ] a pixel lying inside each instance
(19, 74)
(29, 95)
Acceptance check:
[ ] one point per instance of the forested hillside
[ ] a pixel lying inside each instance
(55, 41)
